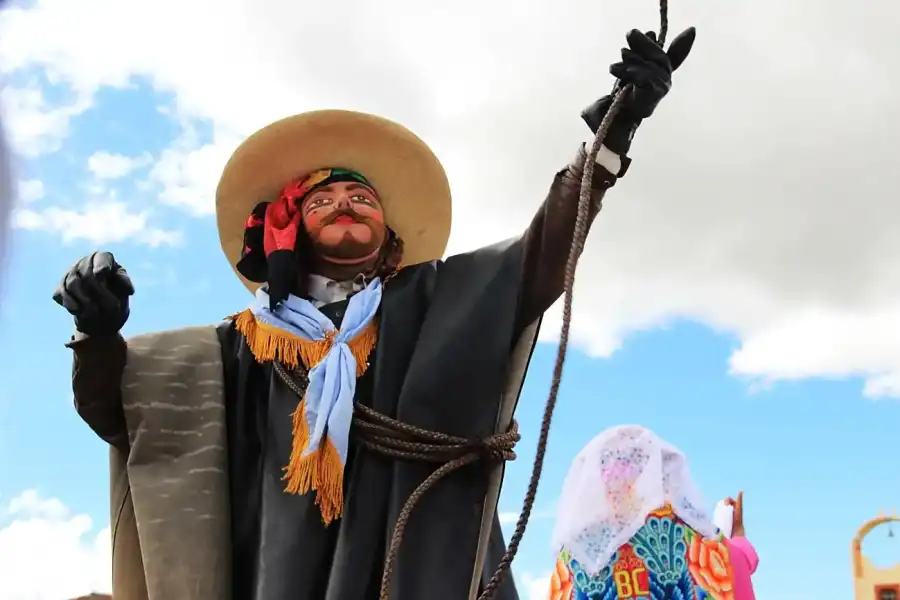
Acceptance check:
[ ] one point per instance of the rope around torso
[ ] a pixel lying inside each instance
(397, 440)
(394, 439)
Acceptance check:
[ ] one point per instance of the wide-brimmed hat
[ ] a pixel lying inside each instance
(408, 177)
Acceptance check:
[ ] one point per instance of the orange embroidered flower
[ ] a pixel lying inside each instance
(710, 566)
(562, 582)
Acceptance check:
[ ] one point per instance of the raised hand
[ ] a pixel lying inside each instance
(95, 291)
(647, 67)
(737, 514)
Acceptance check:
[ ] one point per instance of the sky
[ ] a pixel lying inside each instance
(738, 294)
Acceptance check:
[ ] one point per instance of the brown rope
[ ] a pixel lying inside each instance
(395, 439)
(399, 440)
(578, 238)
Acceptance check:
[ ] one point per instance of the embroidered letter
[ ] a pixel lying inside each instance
(623, 585)
(639, 582)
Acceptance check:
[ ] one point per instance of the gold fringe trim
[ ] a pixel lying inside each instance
(268, 343)
(297, 474)
(321, 470)
(362, 345)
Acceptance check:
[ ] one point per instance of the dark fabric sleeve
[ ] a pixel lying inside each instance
(246, 407)
(97, 366)
(549, 237)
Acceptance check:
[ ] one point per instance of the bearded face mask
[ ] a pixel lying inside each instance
(337, 210)
(344, 219)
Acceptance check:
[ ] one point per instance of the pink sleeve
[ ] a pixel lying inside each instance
(744, 562)
(741, 546)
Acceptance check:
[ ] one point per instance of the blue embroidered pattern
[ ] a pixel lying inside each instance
(664, 560)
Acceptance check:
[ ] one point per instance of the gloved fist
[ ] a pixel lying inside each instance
(95, 291)
(649, 69)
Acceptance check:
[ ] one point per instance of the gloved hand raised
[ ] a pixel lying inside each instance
(649, 69)
(95, 291)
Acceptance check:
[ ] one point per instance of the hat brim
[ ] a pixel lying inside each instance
(409, 179)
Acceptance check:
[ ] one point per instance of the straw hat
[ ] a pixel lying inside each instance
(410, 181)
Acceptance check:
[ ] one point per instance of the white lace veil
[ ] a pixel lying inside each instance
(621, 476)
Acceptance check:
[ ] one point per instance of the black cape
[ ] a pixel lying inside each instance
(441, 363)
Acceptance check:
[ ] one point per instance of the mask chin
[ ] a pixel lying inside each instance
(348, 258)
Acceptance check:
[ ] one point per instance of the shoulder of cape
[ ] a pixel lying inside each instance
(176, 343)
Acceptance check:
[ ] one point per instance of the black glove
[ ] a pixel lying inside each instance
(649, 69)
(95, 291)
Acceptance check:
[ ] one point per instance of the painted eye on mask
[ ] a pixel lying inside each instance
(318, 203)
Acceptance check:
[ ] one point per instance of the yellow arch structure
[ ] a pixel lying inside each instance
(869, 581)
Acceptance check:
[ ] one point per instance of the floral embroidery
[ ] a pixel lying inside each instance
(562, 582)
(664, 560)
(710, 566)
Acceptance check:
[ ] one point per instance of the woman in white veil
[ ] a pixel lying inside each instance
(631, 524)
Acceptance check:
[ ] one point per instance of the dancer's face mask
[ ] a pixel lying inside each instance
(337, 210)
(344, 219)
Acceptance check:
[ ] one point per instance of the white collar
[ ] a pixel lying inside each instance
(323, 290)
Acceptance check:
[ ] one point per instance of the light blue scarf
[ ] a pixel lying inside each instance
(327, 407)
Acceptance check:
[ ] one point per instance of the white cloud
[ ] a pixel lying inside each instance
(839, 342)
(30, 504)
(885, 386)
(188, 174)
(106, 165)
(99, 223)
(30, 190)
(753, 202)
(48, 553)
(534, 587)
(36, 126)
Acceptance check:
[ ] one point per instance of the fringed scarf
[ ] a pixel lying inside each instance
(297, 331)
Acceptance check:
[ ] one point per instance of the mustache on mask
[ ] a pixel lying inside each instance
(347, 212)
